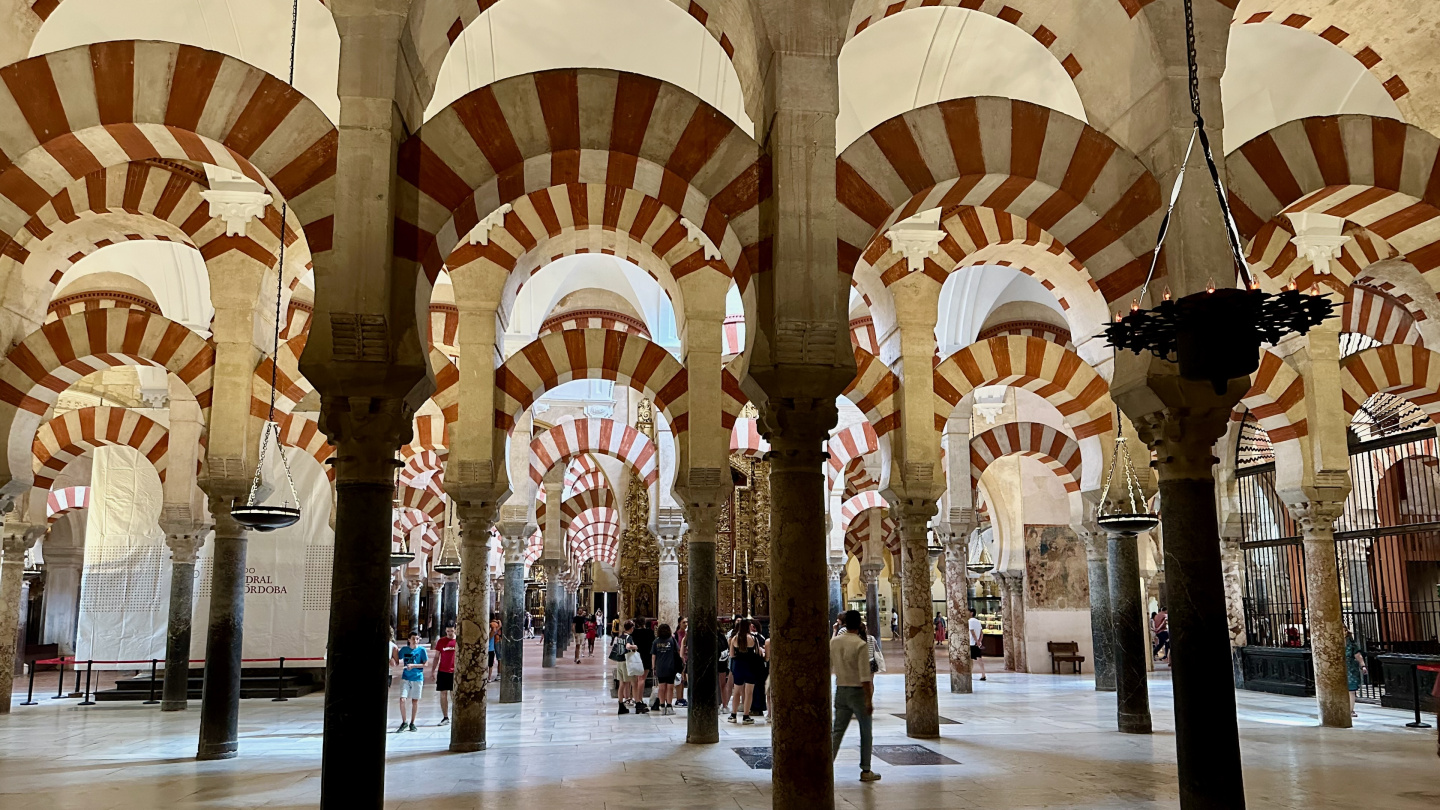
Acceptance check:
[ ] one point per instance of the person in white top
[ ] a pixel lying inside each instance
(854, 689)
(976, 654)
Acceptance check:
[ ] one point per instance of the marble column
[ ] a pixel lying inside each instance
(450, 599)
(702, 722)
(437, 589)
(220, 697)
(1012, 620)
(669, 595)
(800, 638)
(837, 590)
(1232, 562)
(22, 623)
(512, 652)
(1102, 632)
(1322, 598)
(922, 700)
(416, 586)
(18, 538)
(870, 578)
(467, 724)
(553, 602)
(1130, 639)
(63, 567)
(397, 583)
(184, 544)
(957, 597)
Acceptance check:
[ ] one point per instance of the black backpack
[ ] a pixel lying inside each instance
(617, 648)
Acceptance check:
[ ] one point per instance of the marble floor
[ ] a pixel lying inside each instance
(1021, 741)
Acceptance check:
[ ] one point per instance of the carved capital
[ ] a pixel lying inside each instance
(20, 538)
(1316, 518)
(1183, 440)
(836, 571)
(185, 545)
(797, 429)
(366, 432)
(870, 573)
(669, 550)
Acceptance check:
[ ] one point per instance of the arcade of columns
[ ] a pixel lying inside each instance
(542, 165)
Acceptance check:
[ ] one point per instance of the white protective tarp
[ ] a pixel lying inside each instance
(125, 583)
(287, 577)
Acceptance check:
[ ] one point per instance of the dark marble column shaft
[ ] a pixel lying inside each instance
(220, 697)
(1132, 704)
(1102, 630)
(702, 724)
(175, 691)
(837, 591)
(512, 651)
(553, 600)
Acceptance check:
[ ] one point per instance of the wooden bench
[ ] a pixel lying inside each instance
(1064, 652)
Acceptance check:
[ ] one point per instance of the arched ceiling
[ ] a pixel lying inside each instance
(174, 273)
(538, 297)
(972, 293)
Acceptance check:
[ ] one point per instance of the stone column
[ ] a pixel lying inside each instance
(837, 590)
(553, 602)
(397, 581)
(1322, 597)
(1206, 728)
(922, 700)
(18, 538)
(1012, 620)
(897, 599)
(417, 584)
(63, 567)
(511, 650)
(184, 543)
(800, 638)
(870, 578)
(437, 589)
(22, 622)
(1130, 639)
(220, 697)
(957, 597)
(450, 598)
(467, 724)
(1102, 632)
(1233, 566)
(669, 579)
(702, 723)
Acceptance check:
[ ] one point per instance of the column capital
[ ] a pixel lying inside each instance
(797, 427)
(366, 432)
(1183, 440)
(185, 545)
(21, 537)
(234, 199)
(669, 549)
(836, 570)
(1316, 517)
(870, 573)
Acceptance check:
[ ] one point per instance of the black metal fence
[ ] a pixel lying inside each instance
(1387, 550)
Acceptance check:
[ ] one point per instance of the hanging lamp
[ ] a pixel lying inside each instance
(252, 515)
(403, 555)
(1123, 508)
(1214, 335)
(447, 559)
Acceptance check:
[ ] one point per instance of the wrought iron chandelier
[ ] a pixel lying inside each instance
(1124, 510)
(252, 515)
(1213, 335)
(447, 557)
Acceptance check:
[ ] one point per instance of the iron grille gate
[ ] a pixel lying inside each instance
(1387, 551)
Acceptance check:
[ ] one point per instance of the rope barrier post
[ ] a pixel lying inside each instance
(30, 693)
(60, 680)
(1415, 695)
(76, 691)
(89, 667)
(280, 684)
(152, 699)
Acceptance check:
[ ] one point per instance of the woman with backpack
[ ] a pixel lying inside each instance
(665, 655)
(745, 663)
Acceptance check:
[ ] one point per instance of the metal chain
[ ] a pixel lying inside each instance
(270, 423)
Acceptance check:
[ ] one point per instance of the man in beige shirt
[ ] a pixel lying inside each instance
(854, 689)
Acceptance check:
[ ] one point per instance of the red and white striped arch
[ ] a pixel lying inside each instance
(582, 354)
(1281, 12)
(290, 385)
(445, 328)
(484, 151)
(854, 506)
(1037, 329)
(589, 437)
(430, 433)
(1276, 260)
(846, 445)
(875, 391)
(1060, 453)
(302, 432)
(423, 468)
(75, 433)
(57, 354)
(93, 106)
(583, 502)
(1039, 366)
(584, 473)
(61, 502)
(597, 545)
(594, 319)
(1277, 399)
(430, 501)
(97, 299)
(1374, 172)
(869, 524)
(1380, 315)
(746, 440)
(862, 334)
(1412, 372)
(1056, 173)
(858, 479)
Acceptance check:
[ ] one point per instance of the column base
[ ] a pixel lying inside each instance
(174, 705)
(466, 748)
(225, 751)
(1100, 688)
(1133, 723)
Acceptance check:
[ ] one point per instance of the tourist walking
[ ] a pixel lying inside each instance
(854, 690)
(591, 627)
(578, 624)
(495, 633)
(1355, 669)
(412, 680)
(894, 624)
(1160, 623)
(745, 662)
(665, 656)
(445, 648)
(939, 629)
(394, 660)
(680, 636)
(977, 635)
(643, 637)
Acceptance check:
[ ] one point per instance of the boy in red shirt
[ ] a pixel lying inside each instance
(445, 671)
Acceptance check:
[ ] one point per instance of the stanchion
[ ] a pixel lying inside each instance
(60, 680)
(30, 693)
(152, 685)
(89, 666)
(1415, 694)
(280, 684)
(76, 691)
